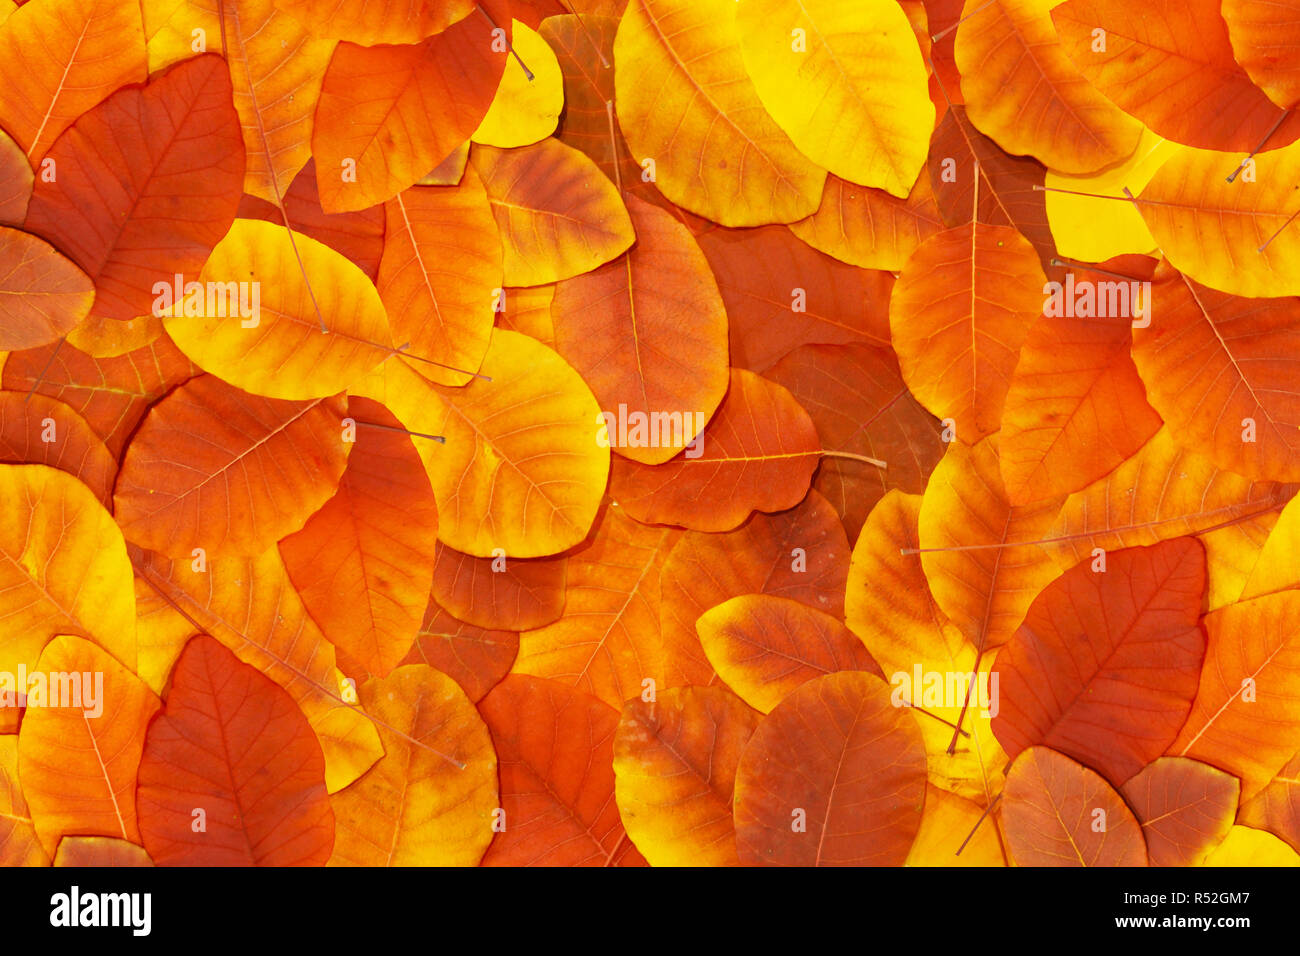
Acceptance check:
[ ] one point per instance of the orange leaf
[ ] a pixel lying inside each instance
(1185, 808)
(1276, 808)
(781, 294)
(375, 134)
(1021, 89)
(868, 227)
(685, 101)
(1105, 665)
(219, 469)
(232, 744)
(111, 394)
(57, 60)
(440, 271)
(45, 294)
(764, 647)
(1246, 716)
(16, 182)
(26, 422)
(758, 453)
(172, 142)
(1171, 66)
(857, 399)
(474, 657)
(1056, 812)
(608, 642)
(1265, 36)
(1161, 492)
(558, 216)
(78, 760)
(555, 748)
(430, 800)
(959, 313)
(1075, 409)
(512, 594)
(801, 805)
(648, 333)
(250, 606)
(802, 554)
(977, 548)
(363, 563)
(1222, 371)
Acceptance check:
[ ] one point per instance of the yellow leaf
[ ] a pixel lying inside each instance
(945, 823)
(558, 214)
(1245, 846)
(846, 82)
(272, 343)
(1232, 236)
(675, 765)
(63, 568)
(686, 105)
(521, 469)
(430, 800)
(525, 108)
(1094, 230)
(888, 605)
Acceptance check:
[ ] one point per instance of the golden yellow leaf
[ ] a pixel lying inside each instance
(695, 123)
(525, 108)
(846, 82)
(273, 343)
(430, 800)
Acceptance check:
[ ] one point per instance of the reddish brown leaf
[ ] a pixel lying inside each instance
(232, 747)
(802, 805)
(758, 453)
(123, 170)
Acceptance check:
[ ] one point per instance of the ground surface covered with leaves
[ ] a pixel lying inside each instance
(797, 432)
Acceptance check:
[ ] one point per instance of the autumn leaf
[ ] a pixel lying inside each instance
(232, 749)
(756, 454)
(556, 749)
(648, 331)
(362, 564)
(175, 140)
(1059, 813)
(1104, 667)
(1021, 88)
(958, 317)
(373, 135)
(429, 799)
(50, 295)
(261, 470)
(861, 68)
(558, 217)
(65, 569)
(79, 758)
(671, 55)
(60, 60)
(1172, 68)
(801, 806)
(675, 760)
(1186, 808)
(764, 647)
